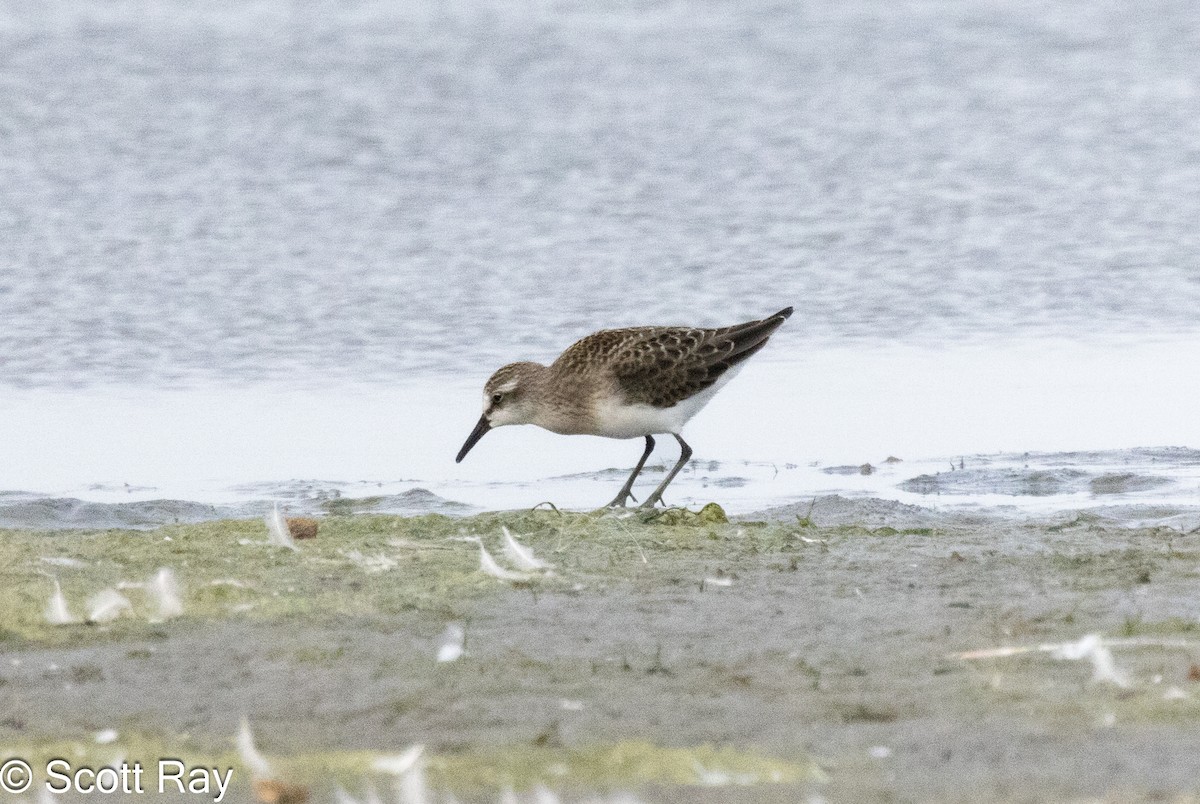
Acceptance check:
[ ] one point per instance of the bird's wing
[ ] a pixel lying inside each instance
(660, 366)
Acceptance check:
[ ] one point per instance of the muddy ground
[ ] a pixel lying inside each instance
(801, 653)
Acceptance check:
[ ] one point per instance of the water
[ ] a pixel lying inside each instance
(253, 242)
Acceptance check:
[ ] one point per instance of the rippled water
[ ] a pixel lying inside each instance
(246, 242)
(322, 192)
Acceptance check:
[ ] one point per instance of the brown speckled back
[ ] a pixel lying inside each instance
(660, 366)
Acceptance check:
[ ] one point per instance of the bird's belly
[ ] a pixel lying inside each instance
(630, 421)
(614, 420)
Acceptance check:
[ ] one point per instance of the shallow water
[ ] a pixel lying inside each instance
(253, 243)
(970, 436)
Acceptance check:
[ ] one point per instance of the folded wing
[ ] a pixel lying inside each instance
(668, 364)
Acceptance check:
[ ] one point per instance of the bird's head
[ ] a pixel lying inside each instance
(507, 399)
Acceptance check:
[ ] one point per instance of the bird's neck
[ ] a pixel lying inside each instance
(564, 402)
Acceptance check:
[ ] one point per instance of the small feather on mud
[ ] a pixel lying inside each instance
(521, 556)
(57, 612)
(277, 529)
(488, 565)
(1092, 647)
(63, 561)
(251, 757)
(408, 768)
(164, 590)
(451, 642)
(1104, 668)
(267, 789)
(372, 564)
(107, 605)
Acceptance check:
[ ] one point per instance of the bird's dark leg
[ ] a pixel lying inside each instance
(684, 455)
(626, 491)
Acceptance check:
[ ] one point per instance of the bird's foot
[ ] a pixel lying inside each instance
(621, 499)
(650, 502)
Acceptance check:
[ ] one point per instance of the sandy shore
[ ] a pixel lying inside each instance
(801, 652)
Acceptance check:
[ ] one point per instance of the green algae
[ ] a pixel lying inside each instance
(227, 569)
(710, 514)
(1139, 626)
(623, 764)
(359, 565)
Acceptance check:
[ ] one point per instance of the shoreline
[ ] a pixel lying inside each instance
(1149, 484)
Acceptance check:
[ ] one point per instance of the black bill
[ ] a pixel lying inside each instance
(475, 435)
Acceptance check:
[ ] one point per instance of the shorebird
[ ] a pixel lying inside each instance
(624, 383)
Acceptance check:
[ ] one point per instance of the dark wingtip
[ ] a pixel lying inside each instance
(784, 313)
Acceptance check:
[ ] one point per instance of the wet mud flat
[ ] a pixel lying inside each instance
(809, 652)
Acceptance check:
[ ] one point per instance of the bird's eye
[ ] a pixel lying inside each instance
(496, 398)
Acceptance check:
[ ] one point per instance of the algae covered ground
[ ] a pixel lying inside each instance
(791, 656)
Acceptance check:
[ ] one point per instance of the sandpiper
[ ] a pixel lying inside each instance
(624, 383)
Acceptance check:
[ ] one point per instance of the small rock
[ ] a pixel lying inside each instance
(270, 791)
(302, 527)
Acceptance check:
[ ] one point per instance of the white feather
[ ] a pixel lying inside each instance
(57, 612)
(277, 529)
(107, 605)
(371, 564)
(1104, 668)
(452, 641)
(399, 764)
(62, 561)
(259, 767)
(409, 770)
(165, 591)
(720, 778)
(411, 787)
(520, 555)
(488, 564)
